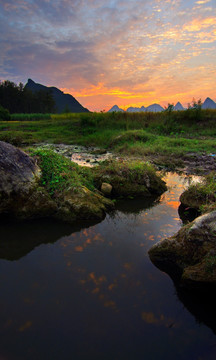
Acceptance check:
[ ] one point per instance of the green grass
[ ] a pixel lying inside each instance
(138, 134)
(30, 117)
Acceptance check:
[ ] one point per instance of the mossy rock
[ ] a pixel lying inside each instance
(192, 199)
(129, 178)
(82, 204)
(201, 196)
(190, 256)
(24, 194)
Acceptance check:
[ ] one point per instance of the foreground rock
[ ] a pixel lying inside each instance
(23, 197)
(189, 257)
(20, 193)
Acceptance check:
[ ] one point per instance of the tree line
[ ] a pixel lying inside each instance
(18, 99)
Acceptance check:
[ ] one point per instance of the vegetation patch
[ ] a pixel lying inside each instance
(59, 173)
(168, 134)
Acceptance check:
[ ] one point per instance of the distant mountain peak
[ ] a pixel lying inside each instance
(178, 106)
(154, 108)
(115, 108)
(209, 104)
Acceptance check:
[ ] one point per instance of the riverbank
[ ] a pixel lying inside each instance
(45, 183)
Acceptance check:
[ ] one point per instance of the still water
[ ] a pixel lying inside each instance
(92, 292)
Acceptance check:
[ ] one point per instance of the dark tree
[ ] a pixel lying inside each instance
(18, 99)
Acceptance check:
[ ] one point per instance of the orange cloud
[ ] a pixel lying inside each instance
(198, 24)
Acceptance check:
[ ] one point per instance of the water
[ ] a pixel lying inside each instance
(92, 293)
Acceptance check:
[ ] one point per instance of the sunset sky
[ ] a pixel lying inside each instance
(106, 52)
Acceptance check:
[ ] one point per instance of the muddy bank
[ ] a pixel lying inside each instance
(191, 163)
(82, 155)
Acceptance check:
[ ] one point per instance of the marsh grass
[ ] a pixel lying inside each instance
(174, 133)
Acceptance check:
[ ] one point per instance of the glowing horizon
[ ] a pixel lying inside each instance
(124, 52)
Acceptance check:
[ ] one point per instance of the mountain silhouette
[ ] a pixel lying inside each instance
(63, 102)
(209, 104)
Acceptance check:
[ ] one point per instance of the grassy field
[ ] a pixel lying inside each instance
(138, 134)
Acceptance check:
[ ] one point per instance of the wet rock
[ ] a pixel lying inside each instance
(188, 199)
(83, 205)
(190, 256)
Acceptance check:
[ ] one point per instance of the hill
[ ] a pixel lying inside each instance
(63, 102)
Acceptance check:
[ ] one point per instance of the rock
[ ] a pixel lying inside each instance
(190, 256)
(18, 171)
(83, 205)
(20, 195)
(106, 189)
(188, 199)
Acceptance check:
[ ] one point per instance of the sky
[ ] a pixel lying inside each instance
(107, 52)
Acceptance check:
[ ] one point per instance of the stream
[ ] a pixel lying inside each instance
(90, 291)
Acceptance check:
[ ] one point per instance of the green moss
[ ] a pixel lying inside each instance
(59, 173)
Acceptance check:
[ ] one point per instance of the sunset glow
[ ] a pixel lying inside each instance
(124, 52)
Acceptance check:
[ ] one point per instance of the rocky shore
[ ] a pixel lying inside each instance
(31, 189)
(189, 256)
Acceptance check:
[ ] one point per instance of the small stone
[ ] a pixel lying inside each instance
(106, 189)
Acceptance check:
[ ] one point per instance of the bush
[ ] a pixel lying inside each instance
(4, 114)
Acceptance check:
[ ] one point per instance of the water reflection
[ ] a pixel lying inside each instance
(19, 238)
(187, 214)
(95, 294)
(200, 304)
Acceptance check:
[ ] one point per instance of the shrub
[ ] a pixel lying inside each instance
(4, 114)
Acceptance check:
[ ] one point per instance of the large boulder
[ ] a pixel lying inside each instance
(20, 194)
(190, 256)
